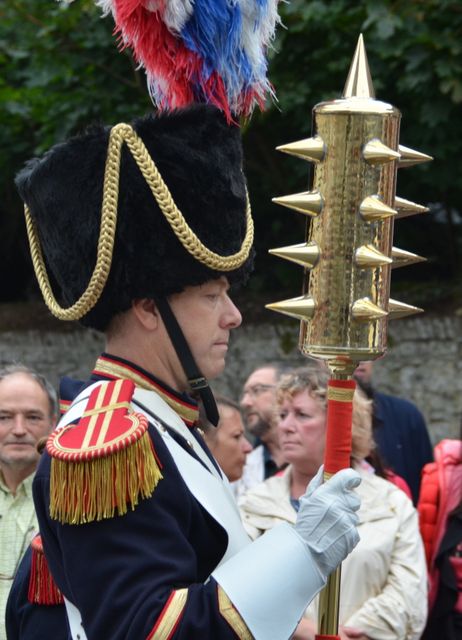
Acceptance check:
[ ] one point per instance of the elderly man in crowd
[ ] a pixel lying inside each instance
(28, 409)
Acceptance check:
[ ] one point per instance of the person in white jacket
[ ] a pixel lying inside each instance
(384, 580)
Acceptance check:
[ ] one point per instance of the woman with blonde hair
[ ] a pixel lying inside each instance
(384, 579)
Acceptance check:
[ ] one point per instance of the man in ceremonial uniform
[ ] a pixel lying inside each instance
(145, 228)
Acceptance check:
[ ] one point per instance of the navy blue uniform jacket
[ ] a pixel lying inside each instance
(123, 573)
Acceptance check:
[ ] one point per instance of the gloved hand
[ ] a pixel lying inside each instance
(327, 518)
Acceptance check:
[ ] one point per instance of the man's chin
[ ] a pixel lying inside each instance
(19, 460)
(259, 428)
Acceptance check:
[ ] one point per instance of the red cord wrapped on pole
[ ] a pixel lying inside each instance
(339, 420)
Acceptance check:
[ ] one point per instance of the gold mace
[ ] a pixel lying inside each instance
(348, 254)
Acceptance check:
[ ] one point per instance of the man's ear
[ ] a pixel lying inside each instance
(146, 312)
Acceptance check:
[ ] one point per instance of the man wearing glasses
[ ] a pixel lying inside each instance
(257, 402)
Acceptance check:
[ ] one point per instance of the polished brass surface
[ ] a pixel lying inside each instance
(329, 604)
(403, 258)
(304, 254)
(368, 256)
(308, 202)
(350, 319)
(312, 149)
(372, 208)
(359, 81)
(398, 310)
(365, 310)
(410, 157)
(407, 208)
(301, 308)
(375, 152)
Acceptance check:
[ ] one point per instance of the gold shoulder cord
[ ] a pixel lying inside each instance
(119, 134)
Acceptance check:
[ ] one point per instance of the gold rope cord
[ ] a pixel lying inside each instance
(119, 134)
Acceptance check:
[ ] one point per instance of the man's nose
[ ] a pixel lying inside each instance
(246, 399)
(233, 317)
(19, 425)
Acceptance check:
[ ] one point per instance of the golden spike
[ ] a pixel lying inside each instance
(365, 310)
(369, 256)
(407, 208)
(372, 209)
(301, 308)
(401, 310)
(312, 149)
(410, 157)
(308, 202)
(403, 258)
(306, 254)
(359, 81)
(375, 152)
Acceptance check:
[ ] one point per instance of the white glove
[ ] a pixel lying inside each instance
(327, 518)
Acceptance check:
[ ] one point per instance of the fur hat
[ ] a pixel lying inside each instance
(199, 157)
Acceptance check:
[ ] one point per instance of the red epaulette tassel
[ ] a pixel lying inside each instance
(42, 587)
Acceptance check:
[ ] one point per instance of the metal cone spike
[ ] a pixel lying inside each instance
(407, 208)
(401, 310)
(365, 310)
(368, 256)
(308, 202)
(375, 152)
(373, 209)
(312, 149)
(306, 254)
(301, 308)
(359, 81)
(410, 157)
(402, 258)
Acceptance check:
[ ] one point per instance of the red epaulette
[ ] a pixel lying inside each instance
(105, 462)
(42, 587)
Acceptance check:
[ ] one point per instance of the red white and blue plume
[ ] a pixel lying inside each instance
(211, 51)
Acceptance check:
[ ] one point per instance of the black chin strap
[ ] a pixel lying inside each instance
(195, 378)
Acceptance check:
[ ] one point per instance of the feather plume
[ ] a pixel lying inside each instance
(211, 51)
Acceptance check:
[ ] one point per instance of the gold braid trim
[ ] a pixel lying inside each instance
(119, 134)
(340, 395)
(232, 617)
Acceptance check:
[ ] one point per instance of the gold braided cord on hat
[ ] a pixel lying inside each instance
(119, 134)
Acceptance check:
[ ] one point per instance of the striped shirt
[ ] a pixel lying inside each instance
(18, 524)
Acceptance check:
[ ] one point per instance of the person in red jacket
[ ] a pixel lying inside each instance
(440, 510)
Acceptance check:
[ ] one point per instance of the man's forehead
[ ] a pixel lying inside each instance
(222, 281)
(263, 375)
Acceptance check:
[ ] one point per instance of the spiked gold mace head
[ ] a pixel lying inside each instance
(347, 254)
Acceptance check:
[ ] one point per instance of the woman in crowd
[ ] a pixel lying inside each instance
(383, 588)
(227, 441)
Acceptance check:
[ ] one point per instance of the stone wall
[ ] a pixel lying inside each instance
(423, 363)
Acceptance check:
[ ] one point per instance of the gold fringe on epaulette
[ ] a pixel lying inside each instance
(88, 490)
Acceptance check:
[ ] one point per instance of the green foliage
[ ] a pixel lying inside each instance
(60, 70)
(415, 55)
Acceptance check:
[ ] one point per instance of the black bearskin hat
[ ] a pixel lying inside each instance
(198, 155)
